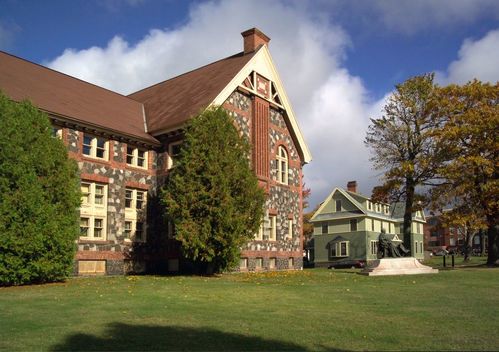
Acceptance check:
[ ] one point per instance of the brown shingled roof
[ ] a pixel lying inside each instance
(71, 98)
(171, 103)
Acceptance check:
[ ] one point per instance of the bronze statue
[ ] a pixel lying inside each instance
(386, 248)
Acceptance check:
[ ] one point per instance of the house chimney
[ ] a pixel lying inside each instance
(352, 186)
(253, 39)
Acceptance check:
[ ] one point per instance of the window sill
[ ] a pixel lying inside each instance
(93, 160)
(136, 167)
(86, 240)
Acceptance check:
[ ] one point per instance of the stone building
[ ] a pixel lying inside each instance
(125, 145)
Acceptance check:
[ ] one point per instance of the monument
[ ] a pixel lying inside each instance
(393, 262)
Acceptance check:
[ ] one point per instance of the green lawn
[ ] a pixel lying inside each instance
(319, 310)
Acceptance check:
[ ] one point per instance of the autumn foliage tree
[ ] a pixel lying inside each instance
(39, 198)
(212, 195)
(470, 137)
(403, 147)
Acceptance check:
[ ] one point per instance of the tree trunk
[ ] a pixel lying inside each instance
(493, 238)
(409, 200)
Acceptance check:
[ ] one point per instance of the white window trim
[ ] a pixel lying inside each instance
(290, 229)
(91, 227)
(93, 147)
(337, 247)
(132, 214)
(374, 247)
(170, 161)
(282, 175)
(135, 157)
(273, 228)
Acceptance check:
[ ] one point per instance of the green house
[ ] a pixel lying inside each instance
(347, 226)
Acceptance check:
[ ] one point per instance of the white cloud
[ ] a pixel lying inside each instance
(476, 59)
(331, 105)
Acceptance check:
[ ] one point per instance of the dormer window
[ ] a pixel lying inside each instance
(282, 165)
(338, 205)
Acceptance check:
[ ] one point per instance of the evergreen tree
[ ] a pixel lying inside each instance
(39, 198)
(212, 195)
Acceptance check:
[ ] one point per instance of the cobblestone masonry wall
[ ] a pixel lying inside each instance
(282, 199)
(116, 175)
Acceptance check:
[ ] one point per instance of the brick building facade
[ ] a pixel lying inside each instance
(124, 147)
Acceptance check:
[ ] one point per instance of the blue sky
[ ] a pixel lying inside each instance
(338, 59)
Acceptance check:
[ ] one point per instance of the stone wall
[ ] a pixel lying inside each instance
(284, 201)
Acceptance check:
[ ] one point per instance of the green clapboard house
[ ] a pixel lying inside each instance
(347, 226)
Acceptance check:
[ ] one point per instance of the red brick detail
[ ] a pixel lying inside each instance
(95, 178)
(271, 254)
(273, 211)
(260, 137)
(138, 185)
(253, 38)
(98, 255)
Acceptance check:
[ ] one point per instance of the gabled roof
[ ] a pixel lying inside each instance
(171, 103)
(72, 99)
(347, 195)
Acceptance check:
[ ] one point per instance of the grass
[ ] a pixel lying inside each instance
(319, 310)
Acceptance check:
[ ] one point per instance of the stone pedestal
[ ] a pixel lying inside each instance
(397, 266)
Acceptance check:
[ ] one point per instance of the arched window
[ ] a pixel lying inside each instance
(282, 165)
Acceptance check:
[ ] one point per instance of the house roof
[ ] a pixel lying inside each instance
(396, 209)
(171, 103)
(71, 98)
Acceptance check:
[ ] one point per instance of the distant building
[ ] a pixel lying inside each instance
(437, 235)
(126, 145)
(347, 226)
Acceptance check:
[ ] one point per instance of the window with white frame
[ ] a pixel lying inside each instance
(324, 228)
(136, 157)
(369, 205)
(421, 247)
(353, 225)
(273, 228)
(259, 263)
(291, 262)
(95, 147)
(57, 132)
(261, 230)
(174, 149)
(340, 249)
(93, 210)
(135, 201)
(415, 246)
(374, 247)
(243, 263)
(272, 263)
(282, 165)
(338, 205)
(290, 229)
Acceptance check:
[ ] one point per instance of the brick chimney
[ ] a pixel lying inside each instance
(253, 39)
(352, 186)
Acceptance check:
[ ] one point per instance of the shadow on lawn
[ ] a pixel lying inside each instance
(124, 337)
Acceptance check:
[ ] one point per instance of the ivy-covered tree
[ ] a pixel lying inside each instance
(212, 195)
(403, 146)
(469, 135)
(39, 198)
